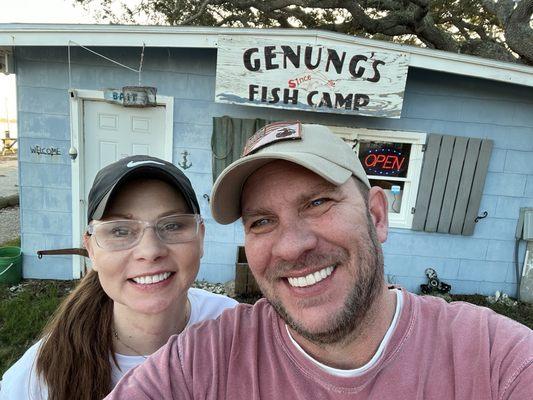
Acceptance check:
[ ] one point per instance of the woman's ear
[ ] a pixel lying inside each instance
(88, 244)
(201, 238)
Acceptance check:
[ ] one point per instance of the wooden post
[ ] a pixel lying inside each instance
(245, 284)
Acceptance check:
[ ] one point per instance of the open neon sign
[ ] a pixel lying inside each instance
(384, 161)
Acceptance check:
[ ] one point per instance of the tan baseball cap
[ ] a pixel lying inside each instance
(313, 147)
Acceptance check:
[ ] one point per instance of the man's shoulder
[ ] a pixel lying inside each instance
(212, 340)
(234, 318)
(241, 320)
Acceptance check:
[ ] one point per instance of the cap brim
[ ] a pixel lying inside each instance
(226, 194)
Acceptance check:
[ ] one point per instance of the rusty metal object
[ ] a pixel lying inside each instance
(56, 252)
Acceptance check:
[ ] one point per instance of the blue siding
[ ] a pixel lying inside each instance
(434, 103)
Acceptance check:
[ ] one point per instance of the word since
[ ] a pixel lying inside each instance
(351, 101)
(49, 151)
(293, 83)
(311, 58)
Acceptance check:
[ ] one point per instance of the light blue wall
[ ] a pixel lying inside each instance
(434, 103)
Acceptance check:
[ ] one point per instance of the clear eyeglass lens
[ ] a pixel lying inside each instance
(117, 235)
(177, 228)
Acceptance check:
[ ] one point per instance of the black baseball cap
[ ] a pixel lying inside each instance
(111, 177)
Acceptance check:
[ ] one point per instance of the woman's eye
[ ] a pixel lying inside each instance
(120, 231)
(171, 227)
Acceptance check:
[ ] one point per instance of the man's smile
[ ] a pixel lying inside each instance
(311, 279)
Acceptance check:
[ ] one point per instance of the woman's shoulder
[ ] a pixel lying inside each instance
(20, 381)
(207, 305)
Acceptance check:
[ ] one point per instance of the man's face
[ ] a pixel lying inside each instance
(313, 248)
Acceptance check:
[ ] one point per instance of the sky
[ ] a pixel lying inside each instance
(32, 11)
(45, 11)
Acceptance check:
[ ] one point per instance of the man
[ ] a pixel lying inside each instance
(330, 327)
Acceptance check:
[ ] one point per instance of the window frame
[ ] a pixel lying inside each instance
(403, 219)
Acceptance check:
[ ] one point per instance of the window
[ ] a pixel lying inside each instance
(392, 160)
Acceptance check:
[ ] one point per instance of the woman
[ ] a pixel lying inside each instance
(145, 241)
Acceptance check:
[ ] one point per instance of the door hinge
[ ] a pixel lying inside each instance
(413, 210)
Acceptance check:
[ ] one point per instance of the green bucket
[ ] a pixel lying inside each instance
(10, 265)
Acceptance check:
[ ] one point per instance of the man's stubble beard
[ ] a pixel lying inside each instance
(369, 281)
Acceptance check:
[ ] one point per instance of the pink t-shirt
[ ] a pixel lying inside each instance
(437, 351)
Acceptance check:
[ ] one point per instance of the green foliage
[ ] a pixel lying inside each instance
(13, 242)
(523, 312)
(23, 314)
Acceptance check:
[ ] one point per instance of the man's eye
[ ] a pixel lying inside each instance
(318, 202)
(260, 223)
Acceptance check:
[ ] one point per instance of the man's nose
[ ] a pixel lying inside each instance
(295, 238)
(150, 247)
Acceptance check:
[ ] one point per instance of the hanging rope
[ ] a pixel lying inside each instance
(104, 57)
(141, 64)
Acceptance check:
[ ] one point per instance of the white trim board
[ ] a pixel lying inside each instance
(205, 37)
(77, 97)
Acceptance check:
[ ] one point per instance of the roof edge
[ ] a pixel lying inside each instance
(20, 34)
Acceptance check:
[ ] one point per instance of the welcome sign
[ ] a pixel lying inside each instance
(334, 79)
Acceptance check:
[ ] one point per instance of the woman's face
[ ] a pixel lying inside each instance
(120, 271)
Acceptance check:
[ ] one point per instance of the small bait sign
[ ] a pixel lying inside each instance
(132, 96)
(334, 79)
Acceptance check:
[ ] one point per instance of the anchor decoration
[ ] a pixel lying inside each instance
(185, 164)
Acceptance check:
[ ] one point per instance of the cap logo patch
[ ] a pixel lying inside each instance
(132, 164)
(272, 133)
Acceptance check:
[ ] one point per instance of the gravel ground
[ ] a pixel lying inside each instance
(9, 223)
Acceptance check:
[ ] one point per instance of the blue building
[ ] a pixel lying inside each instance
(448, 136)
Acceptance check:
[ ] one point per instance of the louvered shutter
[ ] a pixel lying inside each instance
(451, 184)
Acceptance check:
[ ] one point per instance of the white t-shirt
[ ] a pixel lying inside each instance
(21, 382)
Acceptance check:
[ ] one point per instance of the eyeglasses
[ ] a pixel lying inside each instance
(125, 234)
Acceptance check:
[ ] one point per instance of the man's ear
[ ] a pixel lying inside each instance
(88, 244)
(379, 211)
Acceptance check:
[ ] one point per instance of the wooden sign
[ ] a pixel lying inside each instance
(334, 79)
(132, 96)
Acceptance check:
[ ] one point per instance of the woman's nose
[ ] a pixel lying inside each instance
(150, 247)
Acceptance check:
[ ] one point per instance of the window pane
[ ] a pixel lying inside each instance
(385, 158)
(394, 192)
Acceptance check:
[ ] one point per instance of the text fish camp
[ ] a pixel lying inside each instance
(310, 58)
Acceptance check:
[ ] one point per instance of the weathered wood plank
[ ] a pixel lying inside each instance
(426, 181)
(439, 185)
(463, 194)
(477, 187)
(452, 185)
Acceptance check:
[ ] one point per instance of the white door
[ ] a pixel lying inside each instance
(112, 132)
(105, 132)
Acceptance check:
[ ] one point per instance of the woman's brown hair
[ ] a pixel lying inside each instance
(74, 358)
